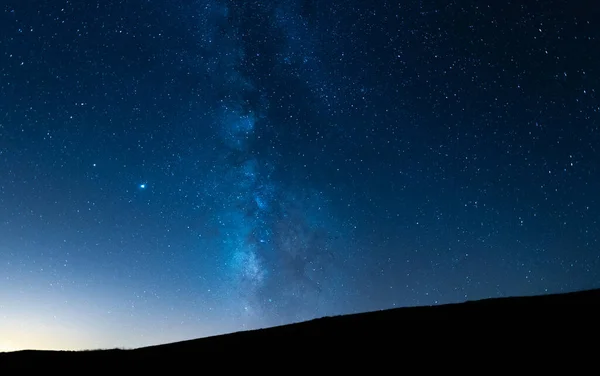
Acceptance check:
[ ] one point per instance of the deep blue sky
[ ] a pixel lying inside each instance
(177, 169)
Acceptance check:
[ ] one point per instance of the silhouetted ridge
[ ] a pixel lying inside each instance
(367, 333)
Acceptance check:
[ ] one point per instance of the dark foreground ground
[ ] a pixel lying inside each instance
(542, 330)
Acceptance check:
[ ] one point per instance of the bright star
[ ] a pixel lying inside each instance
(143, 185)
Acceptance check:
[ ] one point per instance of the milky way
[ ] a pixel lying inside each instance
(276, 236)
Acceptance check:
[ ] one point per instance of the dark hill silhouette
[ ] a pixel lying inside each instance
(377, 339)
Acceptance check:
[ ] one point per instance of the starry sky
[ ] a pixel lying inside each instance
(178, 169)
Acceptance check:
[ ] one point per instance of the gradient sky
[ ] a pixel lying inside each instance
(178, 169)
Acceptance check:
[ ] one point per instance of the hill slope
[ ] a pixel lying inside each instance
(399, 331)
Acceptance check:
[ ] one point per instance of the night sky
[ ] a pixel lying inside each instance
(176, 169)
